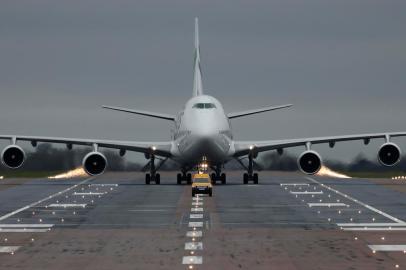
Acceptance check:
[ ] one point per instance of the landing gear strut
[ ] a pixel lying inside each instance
(184, 177)
(218, 176)
(153, 175)
(250, 175)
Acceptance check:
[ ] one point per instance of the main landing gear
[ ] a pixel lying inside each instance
(184, 177)
(218, 176)
(250, 175)
(153, 176)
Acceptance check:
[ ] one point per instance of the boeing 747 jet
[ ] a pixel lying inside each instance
(202, 133)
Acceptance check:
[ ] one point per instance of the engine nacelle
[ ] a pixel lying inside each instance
(13, 156)
(389, 154)
(94, 163)
(309, 162)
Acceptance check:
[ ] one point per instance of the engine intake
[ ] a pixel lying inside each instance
(389, 154)
(309, 162)
(94, 163)
(13, 156)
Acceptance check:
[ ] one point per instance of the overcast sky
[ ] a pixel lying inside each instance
(341, 63)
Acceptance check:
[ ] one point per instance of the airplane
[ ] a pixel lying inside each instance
(202, 133)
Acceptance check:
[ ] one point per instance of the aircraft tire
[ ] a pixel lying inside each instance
(179, 179)
(255, 178)
(223, 178)
(245, 178)
(147, 179)
(158, 179)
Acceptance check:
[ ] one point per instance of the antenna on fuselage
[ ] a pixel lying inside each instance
(197, 76)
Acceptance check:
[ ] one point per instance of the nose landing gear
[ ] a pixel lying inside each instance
(153, 176)
(250, 175)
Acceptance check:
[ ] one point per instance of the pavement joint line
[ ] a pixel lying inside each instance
(45, 199)
(326, 204)
(196, 224)
(9, 249)
(306, 192)
(357, 201)
(20, 225)
(192, 260)
(387, 247)
(193, 246)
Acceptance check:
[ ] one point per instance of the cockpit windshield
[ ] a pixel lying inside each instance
(204, 106)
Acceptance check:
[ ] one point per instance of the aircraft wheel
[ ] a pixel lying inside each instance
(158, 179)
(211, 193)
(223, 178)
(256, 178)
(179, 179)
(147, 179)
(189, 178)
(213, 178)
(245, 178)
(193, 193)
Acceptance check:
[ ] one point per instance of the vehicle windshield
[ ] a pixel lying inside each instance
(204, 106)
(201, 180)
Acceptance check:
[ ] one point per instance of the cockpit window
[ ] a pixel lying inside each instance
(204, 106)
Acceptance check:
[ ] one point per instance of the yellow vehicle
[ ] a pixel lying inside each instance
(202, 184)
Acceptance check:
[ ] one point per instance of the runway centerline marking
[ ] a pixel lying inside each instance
(196, 224)
(295, 184)
(357, 201)
(371, 224)
(196, 215)
(193, 246)
(24, 230)
(197, 209)
(192, 260)
(44, 200)
(194, 234)
(88, 193)
(376, 229)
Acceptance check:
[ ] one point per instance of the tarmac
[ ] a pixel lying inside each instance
(288, 221)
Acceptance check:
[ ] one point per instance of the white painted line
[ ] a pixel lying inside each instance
(192, 260)
(196, 224)
(67, 205)
(148, 210)
(9, 249)
(88, 193)
(357, 201)
(104, 185)
(377, 229)
(19, 225)
(43, 200)
(306, 192)
(197, 199)
(294, 184)
(387, 247)
(197, 203)
(193, 246)
(196, 209)
(196, 215)
(194, 234)
(326, 204)
(375, 224)
(23, 230)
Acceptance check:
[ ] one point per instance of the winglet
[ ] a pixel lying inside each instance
(197, 76)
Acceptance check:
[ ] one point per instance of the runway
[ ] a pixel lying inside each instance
(288, 221)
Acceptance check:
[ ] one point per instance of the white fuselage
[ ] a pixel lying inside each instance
(202, 129)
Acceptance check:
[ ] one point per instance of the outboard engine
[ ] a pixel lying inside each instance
(309, 162)
(94, 163)
(13, 156)
(389, 154)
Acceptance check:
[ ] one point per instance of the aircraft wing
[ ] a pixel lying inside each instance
(159, 148)
(244, 147)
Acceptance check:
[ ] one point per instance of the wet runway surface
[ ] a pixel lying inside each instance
(288, 221)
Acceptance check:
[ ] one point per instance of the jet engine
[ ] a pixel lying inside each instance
(389, 154)
(94, 163)
(13, 156)
(309, 162)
